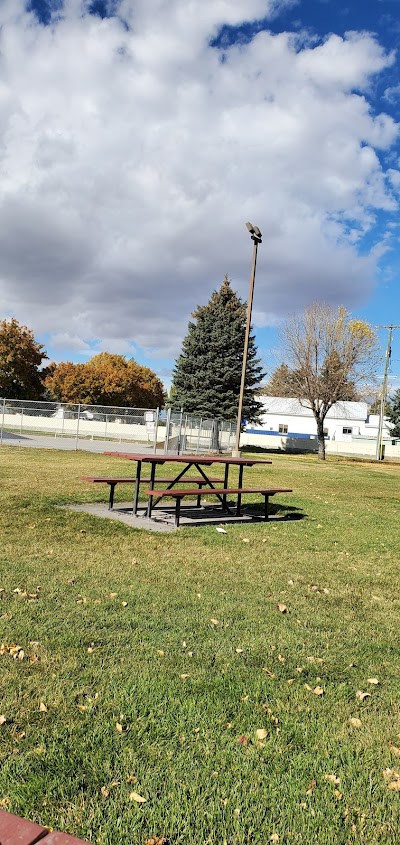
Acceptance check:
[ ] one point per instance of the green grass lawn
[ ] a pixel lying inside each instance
(150, 661)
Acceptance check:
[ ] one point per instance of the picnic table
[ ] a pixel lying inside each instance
(205, 483)
(199, 462)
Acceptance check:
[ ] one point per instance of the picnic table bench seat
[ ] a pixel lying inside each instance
(220, 492)
(112, 481)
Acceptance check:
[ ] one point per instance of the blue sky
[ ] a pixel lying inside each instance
(147, 133)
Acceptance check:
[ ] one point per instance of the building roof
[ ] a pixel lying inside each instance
(297, 408)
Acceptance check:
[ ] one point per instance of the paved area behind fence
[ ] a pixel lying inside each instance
(37, 441)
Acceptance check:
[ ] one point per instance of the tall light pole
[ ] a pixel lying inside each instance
(379, 450)
(256, 237)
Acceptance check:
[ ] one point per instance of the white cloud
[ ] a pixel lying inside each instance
(130, 159)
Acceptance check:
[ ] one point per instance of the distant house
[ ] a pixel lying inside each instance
(344, 421)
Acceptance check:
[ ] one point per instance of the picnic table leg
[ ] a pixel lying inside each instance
(226, 479)
(198, 503)
(240, 484)
(266, 506)
(111, 499)
(177, 511)
(137, 487)
(152, 477)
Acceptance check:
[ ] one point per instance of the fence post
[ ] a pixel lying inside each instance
(156, 429)
(180, 432)
(2, 420)
(22, 417)
(198, 436)
(77, 427)
(167, 426)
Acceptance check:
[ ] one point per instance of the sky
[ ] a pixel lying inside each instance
(137, 137)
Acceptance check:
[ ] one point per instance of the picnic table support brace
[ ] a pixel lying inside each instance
(266, 507)
(221, 498)
(172, 484)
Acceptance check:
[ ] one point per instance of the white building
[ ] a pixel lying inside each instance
(345, 421)
(289, 423)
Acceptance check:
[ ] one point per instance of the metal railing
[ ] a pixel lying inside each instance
(156, 428)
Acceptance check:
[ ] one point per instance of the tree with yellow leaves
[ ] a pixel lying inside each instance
(106, 379)
(327, 353)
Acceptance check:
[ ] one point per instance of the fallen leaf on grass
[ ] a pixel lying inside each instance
(105, 791)
(214, 621)
(239, 650)
(81, 707)
(361, 695)
(394, 750)
(261, 733)
(243, 740)
(184, 676)
(339, 795)
(124, 604)
(2, 720)
(134, 796)
(268, 672)
(274, 837)
(311, 788)
(333, 779)
(282, 608)
(156, 840)
(372, 681)
(122, 729)
(131, 779)
(42, 707)
(221, 530)
(318, 691)
(393, 776)
(356, 723)
(160, 652)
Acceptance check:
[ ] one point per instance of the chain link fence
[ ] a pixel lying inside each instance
(156, 428)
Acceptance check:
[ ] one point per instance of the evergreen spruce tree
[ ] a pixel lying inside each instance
(393, 412)
(208, 371)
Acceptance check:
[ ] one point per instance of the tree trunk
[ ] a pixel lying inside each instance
(321, 440)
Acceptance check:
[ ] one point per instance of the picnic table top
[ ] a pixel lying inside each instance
(187, 459)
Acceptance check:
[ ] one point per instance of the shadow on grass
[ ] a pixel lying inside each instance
(283, 513)
(290, 450)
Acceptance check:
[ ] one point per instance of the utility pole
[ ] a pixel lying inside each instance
(256, 237)
(379, 456)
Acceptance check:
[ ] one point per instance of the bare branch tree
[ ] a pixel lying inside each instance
(326, 351)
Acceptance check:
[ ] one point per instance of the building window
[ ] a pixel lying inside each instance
(283, 429)
(347, 430)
